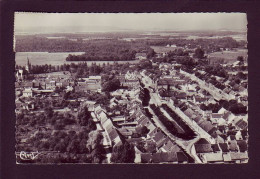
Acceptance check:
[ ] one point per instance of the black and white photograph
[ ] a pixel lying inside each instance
(131, 88)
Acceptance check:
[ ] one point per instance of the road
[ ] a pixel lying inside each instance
(186, 145)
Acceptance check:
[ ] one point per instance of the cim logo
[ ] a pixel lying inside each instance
(28, 155)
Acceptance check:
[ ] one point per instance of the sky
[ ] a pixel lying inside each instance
(131, 21)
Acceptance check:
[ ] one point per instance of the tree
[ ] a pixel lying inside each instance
(95, 146)
(111, 85)
(142, 130)
(240, 59)
(123, 153)
(199, 53)
(48, 112)
(84, 118)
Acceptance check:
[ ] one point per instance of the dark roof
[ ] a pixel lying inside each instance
(161, 142)
(202, 141)
(181, 95)
(238, 155)
(200, 99)
(215, 115)
(232, 137)
(26, 84)
(113, 134)
(133, 140)
(164, 157)
(224, 147)
(182, 157)
(146, 157)
(141, 54)
(197, 119)
(171, 147)
(203, 148)
(213, 133)
(144, 121)
(189, 112)
(206, 125)
(225, 116)
(233, 145)
(242, 145)
(221, 128)
(215, 147)
(241, 124)
(158, 136)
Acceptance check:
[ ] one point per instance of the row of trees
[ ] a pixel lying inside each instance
(209, 45)
(189, 133)
(232, 105)
(144, 96)
(171, 126)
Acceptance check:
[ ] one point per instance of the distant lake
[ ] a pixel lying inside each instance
(59, 58)
(235, 37)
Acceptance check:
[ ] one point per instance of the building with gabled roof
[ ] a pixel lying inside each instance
(212, 157)
(146, 157)
(239, 157)
(203, 146)
(165, 157)
(242, 144)
(232, 145)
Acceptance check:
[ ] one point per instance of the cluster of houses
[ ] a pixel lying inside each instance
(222, 136)
(92, 83)
(186, 93)
(231, 152)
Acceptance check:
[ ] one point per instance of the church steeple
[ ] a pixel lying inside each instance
(28, 65)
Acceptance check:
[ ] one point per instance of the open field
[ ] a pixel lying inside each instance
(160, 49)
(229, 56)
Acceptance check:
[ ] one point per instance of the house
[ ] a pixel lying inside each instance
(159, 138)
(95, 78)
(165, 157)
(203, 146)
(226, 115)
(217, 119)
(190, 113)
(215, 148)
(241, 124)
(199, 100)
(238, 135)
(125, 132)
(140, 56)
(212, 158)
(169, 146)
(162, 84)
(114, 136)
(26, 84)
(224, 147)
(239, 157)
(226, 158)
(206, 126)
(118, 119)
(146, 157)
(182, 158)
(232, 145)
(222, 111)
(242, 144)
(84, 87)
(130, 83)
(28, 92)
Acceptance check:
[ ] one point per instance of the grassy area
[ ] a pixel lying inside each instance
(229, 56)
(160, 49)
